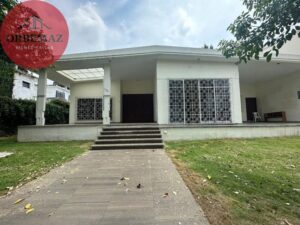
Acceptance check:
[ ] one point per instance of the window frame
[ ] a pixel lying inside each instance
(228, 103)
(91, 121)
(26, 84)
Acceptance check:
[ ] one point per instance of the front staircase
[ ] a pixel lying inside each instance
(125, 137)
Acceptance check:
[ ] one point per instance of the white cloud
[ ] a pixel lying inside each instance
(126, 23)
(87, 29)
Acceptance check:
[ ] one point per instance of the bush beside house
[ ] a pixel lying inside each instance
(16, 112)
(7, 71)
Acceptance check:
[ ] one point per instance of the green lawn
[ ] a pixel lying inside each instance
(30, 160)
(253, 179)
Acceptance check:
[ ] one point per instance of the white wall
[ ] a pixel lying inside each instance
(280, 95)
(167, 70)
(58, 133)
(235, 131)
(94, 89)
(51, 91)
(137, 86)
(20, 92)
(291, 47)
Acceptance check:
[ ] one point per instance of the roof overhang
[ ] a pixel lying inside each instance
(144, 59)
(147, 55)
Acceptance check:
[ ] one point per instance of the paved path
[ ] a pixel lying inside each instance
(88, 191)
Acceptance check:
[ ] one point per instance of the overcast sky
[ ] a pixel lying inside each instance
(108, 24)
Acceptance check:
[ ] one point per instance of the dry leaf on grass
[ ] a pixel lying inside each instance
(286, 222)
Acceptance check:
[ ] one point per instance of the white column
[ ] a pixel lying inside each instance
(41, 98)
(236, 105)
(106, 95)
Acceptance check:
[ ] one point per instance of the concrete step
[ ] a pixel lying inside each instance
(129, 140)
(130, 132)
(129, 136)
(127, 146)
(130, 128)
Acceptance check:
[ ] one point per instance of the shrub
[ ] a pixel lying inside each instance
(7, 71)
(16, 112)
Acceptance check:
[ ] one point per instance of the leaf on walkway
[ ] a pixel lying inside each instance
(125, 178)
(28, 206)
(139, 186)
(175, 193)
(19, 200)
(63, 181)
(166, 195)
(29, 210)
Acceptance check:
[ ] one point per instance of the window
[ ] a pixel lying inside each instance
(90, 109)
(26, 84)
(199, 101)
(60, 95)
(298, 94)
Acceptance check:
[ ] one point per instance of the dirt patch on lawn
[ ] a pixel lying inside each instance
(215, 206)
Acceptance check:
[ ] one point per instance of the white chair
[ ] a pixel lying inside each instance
(257, 117)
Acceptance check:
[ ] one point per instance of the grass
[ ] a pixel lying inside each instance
(243, 181)
(31, 160)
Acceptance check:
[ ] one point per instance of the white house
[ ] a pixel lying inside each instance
(179, 87)
(25, 87)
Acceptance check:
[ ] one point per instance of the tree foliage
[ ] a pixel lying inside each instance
(264, 28)
(7, 68)
(5, 6)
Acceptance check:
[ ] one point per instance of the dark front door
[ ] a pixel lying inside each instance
(137, 108)
(251, 107)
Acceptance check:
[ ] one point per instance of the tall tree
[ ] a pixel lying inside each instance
(7, 68)
(264, 28)
(5, 6)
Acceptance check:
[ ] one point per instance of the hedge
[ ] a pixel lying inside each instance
(16, 112)
(7, 71)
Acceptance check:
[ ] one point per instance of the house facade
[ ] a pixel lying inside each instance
(25, 87)
(175, 85)
(179, 87)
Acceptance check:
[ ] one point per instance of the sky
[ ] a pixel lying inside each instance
(97, 25)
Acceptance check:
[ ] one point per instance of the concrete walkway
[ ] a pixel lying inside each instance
(88, 191)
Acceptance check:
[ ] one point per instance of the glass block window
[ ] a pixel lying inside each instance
(199, 101)
(191, 95)
(90, 109)
(176, 101)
